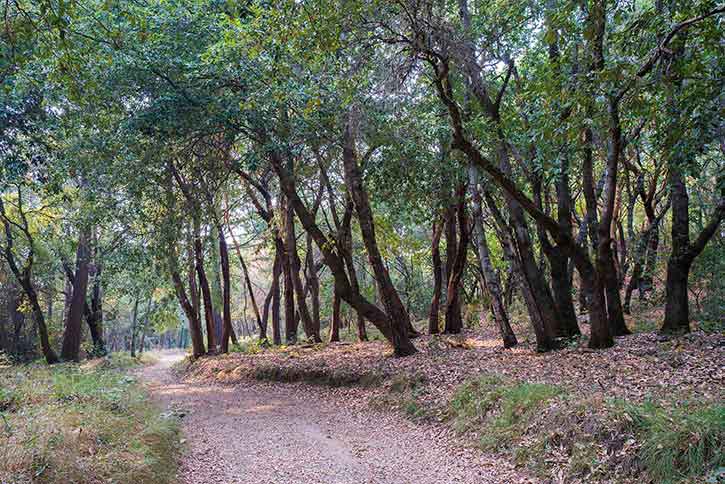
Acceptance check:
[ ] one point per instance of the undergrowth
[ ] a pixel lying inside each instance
(403, 392)
(682, 443)
(498, 410)
(83, 423)
(542, 427)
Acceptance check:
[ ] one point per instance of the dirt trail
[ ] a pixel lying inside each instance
(274, 434)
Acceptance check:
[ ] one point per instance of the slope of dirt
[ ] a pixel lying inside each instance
(264, 433)
(641, 366)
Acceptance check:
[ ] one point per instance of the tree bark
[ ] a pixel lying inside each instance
(401, 343)
(677, 315)
(134, 320)
(290, 322)
(335, 323)
(227, 292)
(72, 337)
(454, 321)
(399, 318)
(276, 273)
(295, 267)
(205, 290)
(433, 322)
(491, 277)
(192, 313)
(94, 318)
(313, 281)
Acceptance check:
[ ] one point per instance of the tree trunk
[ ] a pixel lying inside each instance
(133, 327)
(195, 298)
(290, 321)
(269, 300)
(605, 257)
(677, 318)
(635, 278)
(314, 284)
(205, 290)
(346, 249)
(261, 322)
(276, 274)
(48, 353)
(561, 285)
(677, 311)
(401, 343)
(226, 292)
(192, 313)
(491, 277)
(646, 282)
(544, 341)
(433, 323)
(454, 321)
(335, 323)
(72, 337)
(94, 318)
(399, 318)
(296, 267)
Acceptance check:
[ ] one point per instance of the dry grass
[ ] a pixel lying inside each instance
(86, 423)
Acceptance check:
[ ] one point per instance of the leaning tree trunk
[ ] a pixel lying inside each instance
(389, 327)
(362, 334)
(261, 322)
(192, 314)
(491, 277)
(48, 353)
(544, 340)
(399, 318)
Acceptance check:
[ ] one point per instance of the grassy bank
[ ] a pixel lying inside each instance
(83, 423)
(553, 432)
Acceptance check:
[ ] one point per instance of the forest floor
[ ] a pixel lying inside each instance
(650, 409)
(270, 433)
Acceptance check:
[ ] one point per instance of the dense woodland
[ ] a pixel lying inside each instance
(196, 172)
(420, 224)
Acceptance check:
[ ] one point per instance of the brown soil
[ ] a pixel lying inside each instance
(259, 433)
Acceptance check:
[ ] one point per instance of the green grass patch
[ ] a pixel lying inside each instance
(83, 423)
(679, 444)
(498, 410)
(590, 438)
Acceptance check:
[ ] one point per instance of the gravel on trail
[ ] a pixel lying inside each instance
(271, 433)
